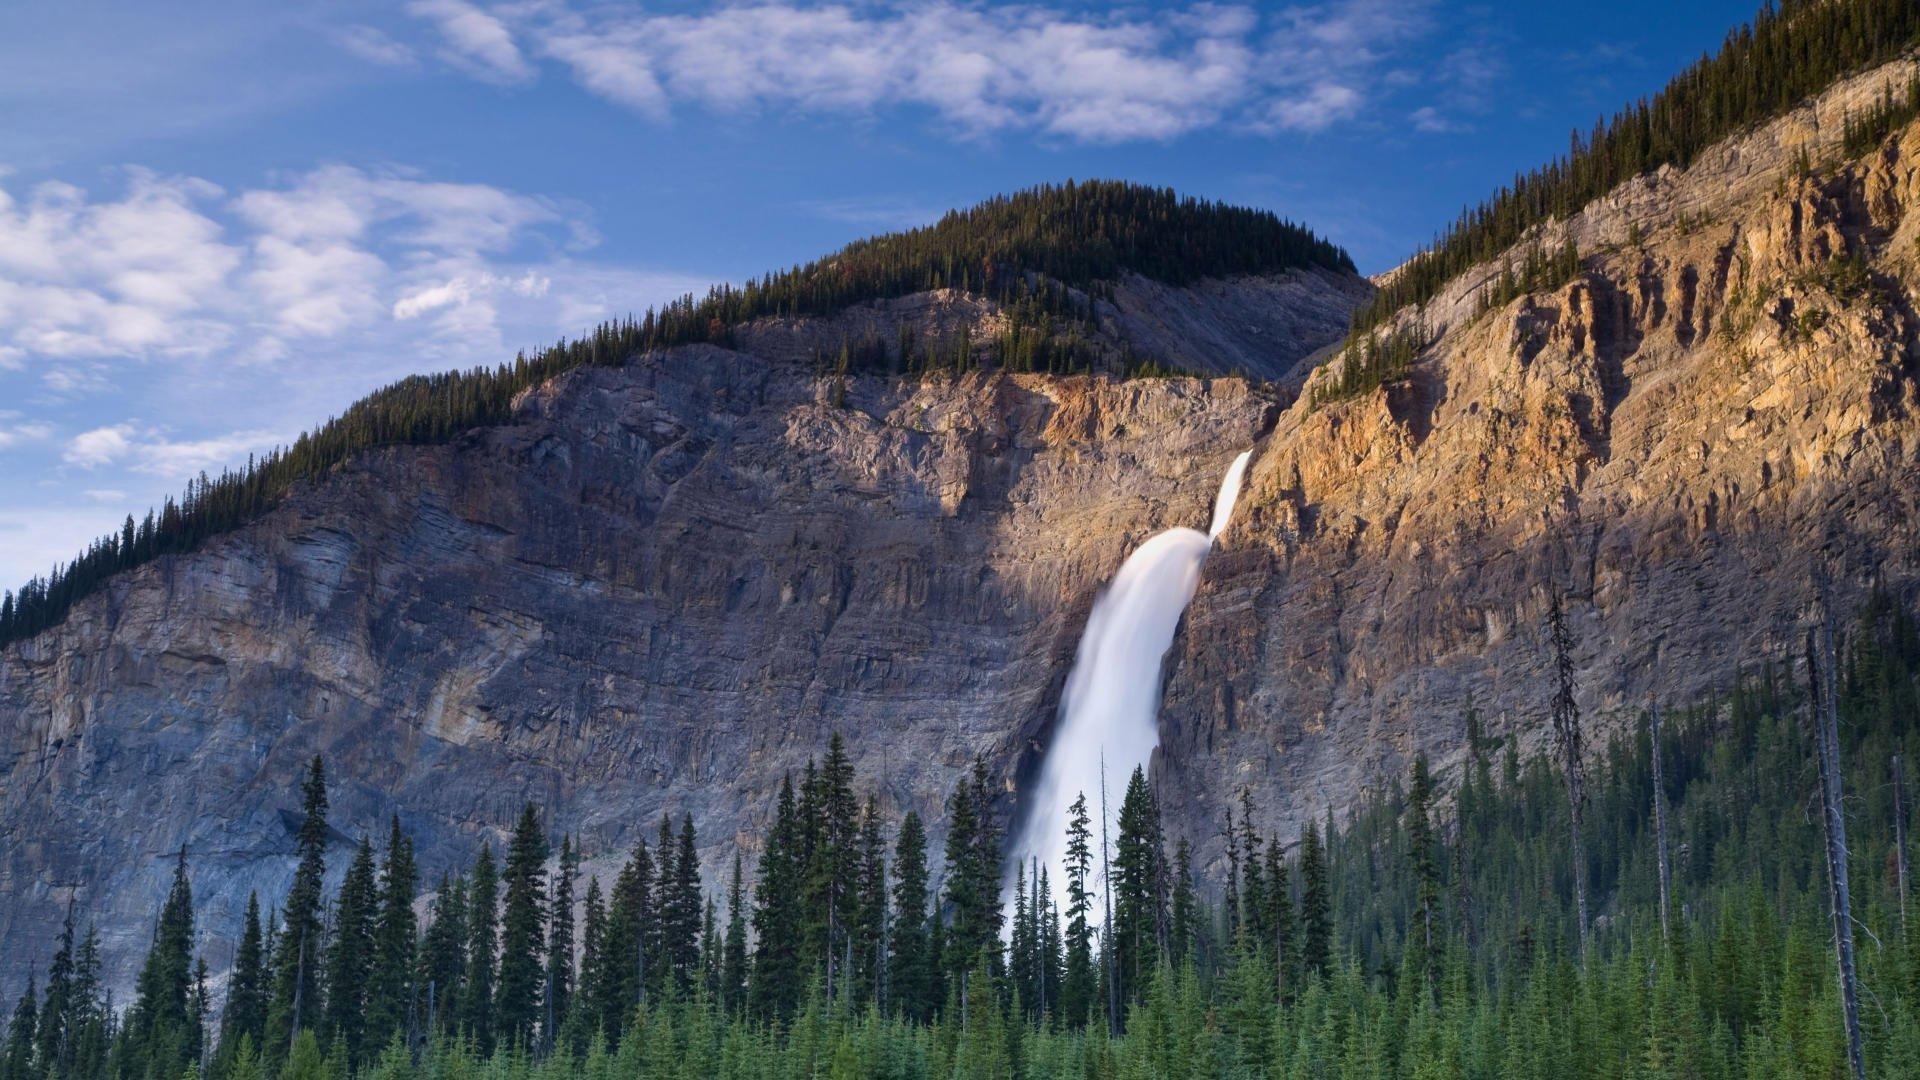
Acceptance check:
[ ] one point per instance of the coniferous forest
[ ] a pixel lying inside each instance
(1790, 51)
(1685, 930)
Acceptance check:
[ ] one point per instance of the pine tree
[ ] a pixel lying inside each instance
(162, 1035)
(1184, 912)
(777, 916)
(55, 1037)
(679, 906)
(1283, 951)
(390, 985)
(443, 958)
(522, 939)
(630, 922)
(1316, 904)
(560, 969)
(829, 814)
(733, 955)
(296, 1001)
(973, 871)
(350, 956)
(868, 934)
(910, 957)
(1426, 874)
(1079, 991)
(246, 1011)
(17, 1061)
(476, 999)
(1137, 888)
(584, 1016)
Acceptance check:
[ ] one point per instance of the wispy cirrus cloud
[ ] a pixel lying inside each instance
(1065, 73)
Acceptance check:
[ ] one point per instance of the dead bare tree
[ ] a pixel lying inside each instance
(1823, 706)
(1566, 730)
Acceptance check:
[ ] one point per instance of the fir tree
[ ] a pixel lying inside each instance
(680, 913)
(1079, 991)
(350, 956)
(629, 925)
(522, 940)
(476, 998)
(246, 1011)
(777, 916)
(1316, 903)
(443, 957)
(560, 969)
(296, 1001)
(910, 959)
(733, 955)
(1138, 889)
(16, 1063)
(162, 1033)
(55, 1036)
(390, 983)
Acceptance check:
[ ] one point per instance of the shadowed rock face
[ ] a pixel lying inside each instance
(661, 587)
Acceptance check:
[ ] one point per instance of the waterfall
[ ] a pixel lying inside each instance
(1111, 705)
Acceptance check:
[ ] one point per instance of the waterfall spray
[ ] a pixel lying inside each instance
(1111, 706)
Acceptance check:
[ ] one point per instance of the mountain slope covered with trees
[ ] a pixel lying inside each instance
(1036, 252)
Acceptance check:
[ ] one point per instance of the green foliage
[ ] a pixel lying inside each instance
(1789, 51)
(1892, 111)
(1369, 361)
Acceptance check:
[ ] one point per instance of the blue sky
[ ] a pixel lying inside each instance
(222, 222)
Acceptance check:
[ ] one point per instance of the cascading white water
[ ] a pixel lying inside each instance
(1111, 706)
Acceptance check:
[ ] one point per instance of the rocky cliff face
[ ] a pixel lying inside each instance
(658, 590)
(662, 586)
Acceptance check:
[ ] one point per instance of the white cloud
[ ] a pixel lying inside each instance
(1069, 73)
(13, 434)
(375, 46)
(475, 41)
(101, 446)
(182, 459)
(176, 268)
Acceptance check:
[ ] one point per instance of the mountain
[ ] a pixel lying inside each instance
(659, 584)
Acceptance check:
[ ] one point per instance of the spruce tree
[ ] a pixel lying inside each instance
(476, 999)
(973, 872)
(162, 1035)
(1283, 952)
(246, 1011)
(1079, 991)
(1426, 874)
(733, 955)
(680, 910)
(560, 968)
(583, 1015)
(777, 916)
(296, 1001)
(390, 986)
(16, 1062)
(523, 919)
(910, 957)
(55, 1038)
(1137, 887)
(443, 958)
(869, 928)
(1316, 904)
(629, 924)
(1184, 914)
(350, 956)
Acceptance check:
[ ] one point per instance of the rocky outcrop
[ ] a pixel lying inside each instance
(660, 587)
(657, 590)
